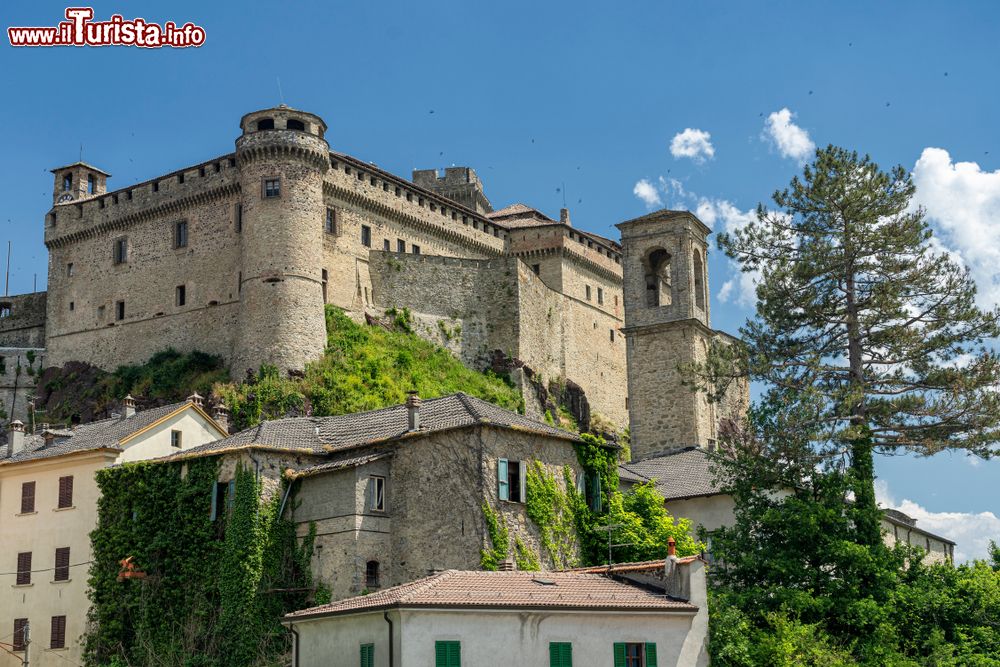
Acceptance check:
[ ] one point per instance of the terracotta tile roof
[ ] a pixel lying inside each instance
(102, 434)
(628, 568)
(681, 474)
(506, 590)
(340, 433)
(518, 211)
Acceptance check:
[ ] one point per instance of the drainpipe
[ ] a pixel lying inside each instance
(295, 645)
(388, 620)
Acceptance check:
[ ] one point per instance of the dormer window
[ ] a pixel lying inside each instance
(265, 124)
(67, 181)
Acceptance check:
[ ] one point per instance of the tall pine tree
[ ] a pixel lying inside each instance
(867, 336)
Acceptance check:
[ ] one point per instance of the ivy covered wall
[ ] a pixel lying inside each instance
(214, 590)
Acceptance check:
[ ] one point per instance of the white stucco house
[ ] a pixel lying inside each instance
(48, 507)
(652, 614)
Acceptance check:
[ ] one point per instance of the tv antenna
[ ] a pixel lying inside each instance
(281, 95)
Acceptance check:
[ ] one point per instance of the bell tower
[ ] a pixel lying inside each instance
(666, 325)
(78, 181)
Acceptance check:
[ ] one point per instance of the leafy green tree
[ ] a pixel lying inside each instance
(866, 336)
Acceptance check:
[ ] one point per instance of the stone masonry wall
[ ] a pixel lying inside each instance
(22, 320)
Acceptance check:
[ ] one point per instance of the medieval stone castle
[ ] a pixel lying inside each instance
(237, 255)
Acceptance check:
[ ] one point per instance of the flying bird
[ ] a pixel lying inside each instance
(432, 111)
(887, 104)
(810, 92)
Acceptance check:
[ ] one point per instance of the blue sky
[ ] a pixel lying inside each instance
(546, 100)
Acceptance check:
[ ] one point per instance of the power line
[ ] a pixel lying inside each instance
(48, 569)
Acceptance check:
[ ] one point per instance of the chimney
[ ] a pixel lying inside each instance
(677, 578)
(221, 416)
(128, 406)
(15, 438)
(197, 399)
(564, 216)
(413, 410)
(507, 565)
(672, 548)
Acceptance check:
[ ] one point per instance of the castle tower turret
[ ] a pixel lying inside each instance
(281, 157)
(666, 325)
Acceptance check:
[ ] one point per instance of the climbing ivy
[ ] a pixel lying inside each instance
(214, 591)
(524, 557)
(496, 528)
(552, 510)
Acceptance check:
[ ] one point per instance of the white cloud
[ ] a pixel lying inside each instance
(741, 288)
(647, 192)
(963, 204)
(790, 139)
(971, 532)
(693, 144)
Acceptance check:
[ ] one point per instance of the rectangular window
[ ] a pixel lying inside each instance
(560, 654)
(69, 270)
(18, 640)
(119, 310)
(57, 638)
(72, 305)
(400, 245)
(386, 245)
(62, 565)
(377, 493)
(447, 654)
(593, 489)
(65, 492)
(600, 295)
(121, 251)
(180, 295)
(331, 221)
(635, 654)
(272, 187)
(511, 482)
(23, 568)
(612, 335)
(181, 234)
(416, 249)
(368, 655)
(366, 236)
(68, 182)
(588, 292)
(27, 497)
(90, 184)
(175, 439)
(239, 218)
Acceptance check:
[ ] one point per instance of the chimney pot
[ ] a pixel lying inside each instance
(413, 410)
(671, 547)
(221, 416)
(564, 216)
(197, 399)
(507, 565)
(128, 406)
(15, 437)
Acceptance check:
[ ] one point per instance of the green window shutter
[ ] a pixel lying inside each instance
(367, 655)
(523, 468)
(597, 493)
(454, 654)
(503, 487)
(231, 494)
(650, 654)
(215, 502)
(619, 654)
(447, 654)
(560, 654)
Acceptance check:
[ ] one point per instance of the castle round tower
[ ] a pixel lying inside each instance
(282, 157)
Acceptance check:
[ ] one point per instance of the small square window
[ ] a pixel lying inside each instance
(272, 187)
(180, 294)
(366, 236)
(181, 234)
(175, 439)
